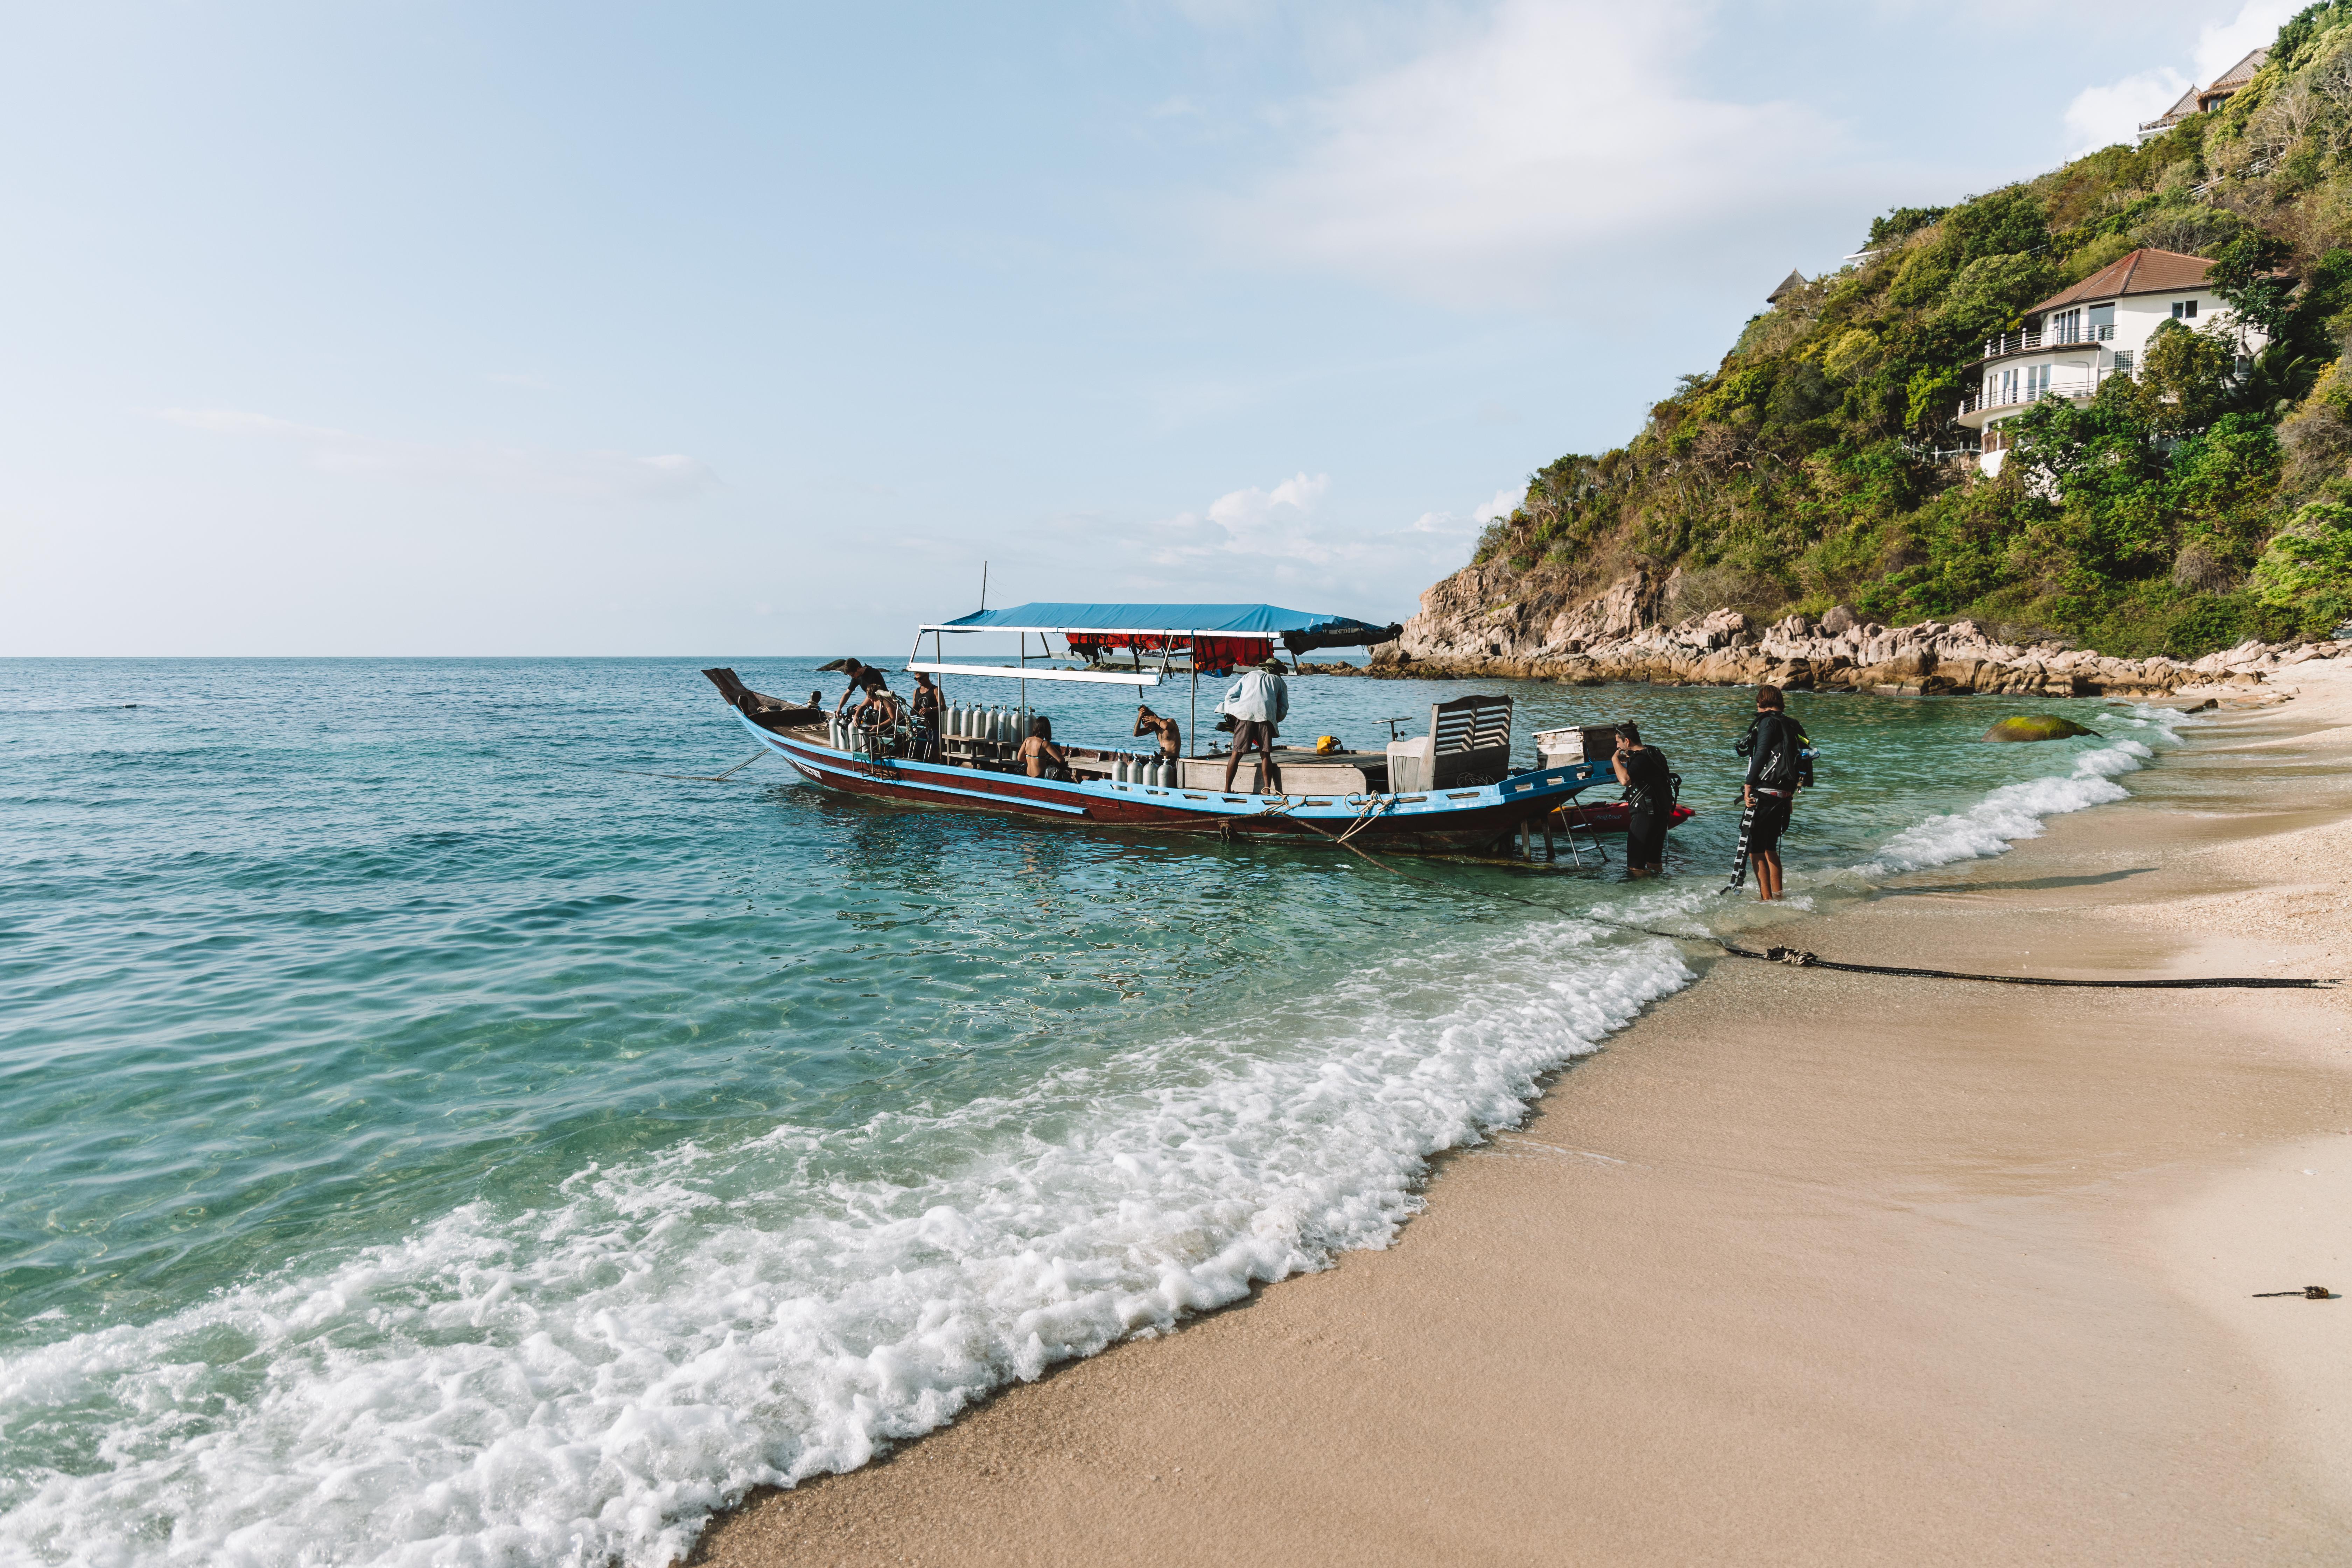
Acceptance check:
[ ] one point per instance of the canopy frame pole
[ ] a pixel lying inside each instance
(1196, 715)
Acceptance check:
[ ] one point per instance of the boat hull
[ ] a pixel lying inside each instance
(1467, 819)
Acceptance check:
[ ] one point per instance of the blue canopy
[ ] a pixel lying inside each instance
(1296, 628)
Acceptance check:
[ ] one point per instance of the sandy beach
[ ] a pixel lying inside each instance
(1803, 1267)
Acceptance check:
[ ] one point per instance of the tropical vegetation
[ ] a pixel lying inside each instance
(2205, 499)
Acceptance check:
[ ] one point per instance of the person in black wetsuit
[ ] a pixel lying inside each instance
(1777, 768)
(928, 708)
(1651, 787)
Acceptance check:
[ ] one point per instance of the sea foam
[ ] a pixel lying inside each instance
(587, 1380)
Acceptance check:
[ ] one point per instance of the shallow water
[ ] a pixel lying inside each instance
(433, 1139)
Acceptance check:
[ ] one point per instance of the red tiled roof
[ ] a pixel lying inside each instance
(2141, 272)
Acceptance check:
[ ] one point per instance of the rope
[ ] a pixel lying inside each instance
(697, 778)
(1798, 958)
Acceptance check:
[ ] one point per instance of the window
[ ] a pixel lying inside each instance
(2037, 382)
(2184, 309)
(2122, 362)
(2066, 327)
(2102, 325)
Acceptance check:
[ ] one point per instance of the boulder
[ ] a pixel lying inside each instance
(2038, 727)
(1838, 621)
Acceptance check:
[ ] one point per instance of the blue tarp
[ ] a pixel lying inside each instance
(1294, 627)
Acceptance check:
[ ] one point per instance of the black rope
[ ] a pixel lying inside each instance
(1800, 959)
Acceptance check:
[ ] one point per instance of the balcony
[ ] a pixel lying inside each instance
(2056, 337)
(1980, 406)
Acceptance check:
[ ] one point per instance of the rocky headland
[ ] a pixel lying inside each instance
(1481, 622)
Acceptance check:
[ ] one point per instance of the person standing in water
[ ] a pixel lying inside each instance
(1257, 702)
(1651, 789)
(1775, 748)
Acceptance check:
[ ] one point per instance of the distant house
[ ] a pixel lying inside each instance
(2206, 98)
(1790, 285)
(2076, 339)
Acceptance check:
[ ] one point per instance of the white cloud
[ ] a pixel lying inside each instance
(1263, 522)
(2220, 45)
(591, 476)
(2101, 116)
(1506, 502)
(1499, 160)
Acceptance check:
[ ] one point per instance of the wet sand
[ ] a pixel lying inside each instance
(1804, 1266)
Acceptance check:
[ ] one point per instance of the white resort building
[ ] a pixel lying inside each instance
(2075, 340)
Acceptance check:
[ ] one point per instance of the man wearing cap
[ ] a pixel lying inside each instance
(1257, 703)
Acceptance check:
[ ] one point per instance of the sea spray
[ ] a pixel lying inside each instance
(510, 1157)
(589, 1379)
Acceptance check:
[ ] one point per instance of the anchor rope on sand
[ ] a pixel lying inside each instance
(1798, 958)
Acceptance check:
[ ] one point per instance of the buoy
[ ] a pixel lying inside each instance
(2038, 727)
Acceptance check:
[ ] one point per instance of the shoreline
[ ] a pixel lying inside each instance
(1800, 1267)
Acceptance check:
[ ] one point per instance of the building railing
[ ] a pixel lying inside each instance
(2035, 338)
(2020, 396)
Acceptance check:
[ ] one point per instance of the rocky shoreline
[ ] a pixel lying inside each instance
(1616, 636)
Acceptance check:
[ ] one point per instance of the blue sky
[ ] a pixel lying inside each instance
(728, 329)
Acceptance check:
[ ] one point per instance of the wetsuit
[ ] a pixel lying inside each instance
(1652, 790)
(1774, 749)
(928, 704)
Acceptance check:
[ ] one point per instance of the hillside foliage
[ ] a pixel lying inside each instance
(2207, 501)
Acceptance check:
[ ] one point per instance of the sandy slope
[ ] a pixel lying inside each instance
(1805, 1268)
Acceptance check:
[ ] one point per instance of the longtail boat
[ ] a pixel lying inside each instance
(1452, 789)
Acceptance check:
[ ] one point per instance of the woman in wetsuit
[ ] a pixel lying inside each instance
(1648, 785)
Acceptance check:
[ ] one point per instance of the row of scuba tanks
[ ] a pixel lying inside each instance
(996, 723)
(1003, 725)
(1149, 771)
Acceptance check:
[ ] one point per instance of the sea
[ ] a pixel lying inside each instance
(444, 1126)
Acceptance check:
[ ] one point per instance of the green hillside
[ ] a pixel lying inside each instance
(2207, 501)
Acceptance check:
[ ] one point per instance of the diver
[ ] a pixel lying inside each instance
(1651, 788)
(1779, 763)
(863, 680)
(929, 705)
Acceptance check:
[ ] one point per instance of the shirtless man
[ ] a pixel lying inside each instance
(1172, 735)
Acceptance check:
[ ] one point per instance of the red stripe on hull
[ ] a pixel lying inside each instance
(1013, 794)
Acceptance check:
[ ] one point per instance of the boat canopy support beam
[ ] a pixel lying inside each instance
(1014, 672)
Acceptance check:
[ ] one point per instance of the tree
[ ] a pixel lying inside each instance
(2247, 276)
(2184, 380)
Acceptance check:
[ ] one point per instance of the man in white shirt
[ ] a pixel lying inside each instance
(1257, 703)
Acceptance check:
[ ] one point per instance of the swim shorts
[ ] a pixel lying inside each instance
(1771, 821)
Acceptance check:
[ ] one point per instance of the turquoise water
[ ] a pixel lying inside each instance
(434, 1139)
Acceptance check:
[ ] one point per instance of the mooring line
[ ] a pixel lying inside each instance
(1798, 958)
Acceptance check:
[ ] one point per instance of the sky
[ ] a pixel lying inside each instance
(719, 329)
